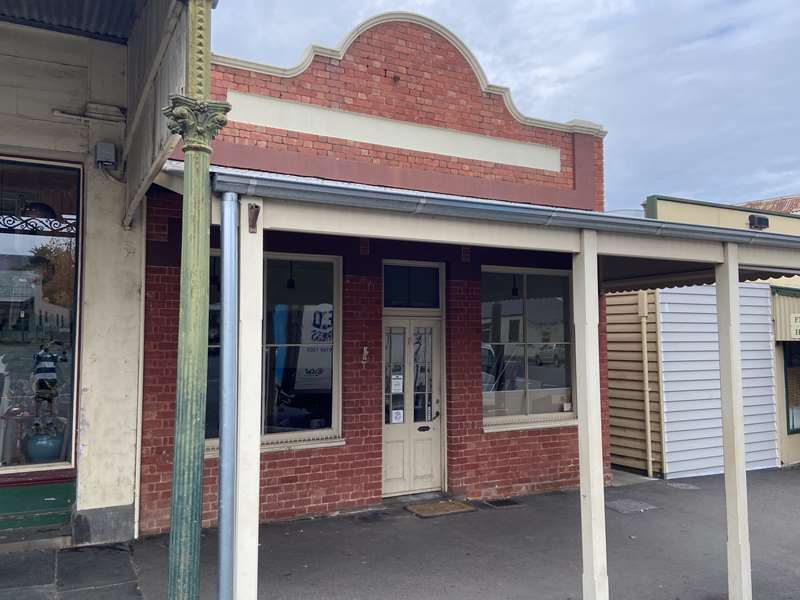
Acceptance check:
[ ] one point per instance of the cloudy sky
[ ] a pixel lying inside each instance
(701, 97)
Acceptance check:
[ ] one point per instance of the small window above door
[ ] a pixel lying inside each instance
(411, 286)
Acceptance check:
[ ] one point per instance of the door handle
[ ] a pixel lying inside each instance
(424, 428)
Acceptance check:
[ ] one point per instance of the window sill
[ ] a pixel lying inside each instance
(521, 423)
(267, 445)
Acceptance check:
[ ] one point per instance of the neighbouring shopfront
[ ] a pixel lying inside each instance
(80, 143)
(786, 316)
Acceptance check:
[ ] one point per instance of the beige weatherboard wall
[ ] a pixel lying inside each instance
(628, 378)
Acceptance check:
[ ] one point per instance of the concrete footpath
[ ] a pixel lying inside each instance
(666, 542)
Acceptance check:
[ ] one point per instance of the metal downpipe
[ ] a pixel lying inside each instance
(229, 321)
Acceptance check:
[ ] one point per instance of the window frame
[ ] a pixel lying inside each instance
(314, 438)
(69, 465)
(539, 420)
(313, 435)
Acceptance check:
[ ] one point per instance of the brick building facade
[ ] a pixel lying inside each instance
(405, 71)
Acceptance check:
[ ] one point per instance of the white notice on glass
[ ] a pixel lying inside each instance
(397, 384)
(397, 416)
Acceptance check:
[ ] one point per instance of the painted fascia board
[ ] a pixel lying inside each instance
(572, 126)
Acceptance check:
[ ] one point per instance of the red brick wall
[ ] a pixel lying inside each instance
(318, 481)
(162, 284)
(483, 465)
(407, 72)
(314, 481)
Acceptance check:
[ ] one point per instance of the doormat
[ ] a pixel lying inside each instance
(439, 508)
(626, 506)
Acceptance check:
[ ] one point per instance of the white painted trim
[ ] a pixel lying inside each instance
(585, 311)
(612, 243)
(140, 377)
(248, 413)
(333, 432)
(77, 351)
(540, 420)
(489, 426)
(212, 445)
(358, 222)
(661, 392)
(326, 122)
(740, 585)
(524, 271)
(573, 126)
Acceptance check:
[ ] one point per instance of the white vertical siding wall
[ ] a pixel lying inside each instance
(690, 367)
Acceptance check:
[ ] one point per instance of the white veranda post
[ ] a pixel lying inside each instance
(730, 372)
(248, 422)
(586, 318)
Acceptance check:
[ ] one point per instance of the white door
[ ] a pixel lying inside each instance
(412, 406)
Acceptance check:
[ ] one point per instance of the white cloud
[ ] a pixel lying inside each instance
(699, 96)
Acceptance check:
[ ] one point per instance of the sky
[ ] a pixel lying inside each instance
(701, 98)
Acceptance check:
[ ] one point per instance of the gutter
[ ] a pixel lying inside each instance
(353, 195)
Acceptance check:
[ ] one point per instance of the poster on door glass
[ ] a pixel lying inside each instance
(397, 384)
(397, 416)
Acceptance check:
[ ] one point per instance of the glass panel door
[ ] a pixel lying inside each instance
(394, 375)
(423, 374)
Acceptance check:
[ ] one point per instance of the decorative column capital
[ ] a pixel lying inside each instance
(196, 121)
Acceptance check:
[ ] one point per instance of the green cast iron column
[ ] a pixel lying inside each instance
(197, 120)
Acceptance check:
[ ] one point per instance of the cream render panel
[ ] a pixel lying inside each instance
(328, 122)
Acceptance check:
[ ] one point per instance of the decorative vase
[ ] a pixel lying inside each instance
(43, 447)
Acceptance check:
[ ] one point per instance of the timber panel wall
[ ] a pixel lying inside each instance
(626, 381)
(690, 367)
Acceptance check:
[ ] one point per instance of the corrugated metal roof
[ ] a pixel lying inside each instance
(782, 204)
(109, 20)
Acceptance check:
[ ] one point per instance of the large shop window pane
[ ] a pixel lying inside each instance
(525, 370)
(38, 283)
(547, 308)
(212, 381)
(406, 286)
(298, 351)
(501, 307)
(299, 302)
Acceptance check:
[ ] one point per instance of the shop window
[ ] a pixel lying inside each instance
(300, 331)
(300, 376)
(214, 308)
(410, 286)
(792, 352)
(39, 243)
(526, 371)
